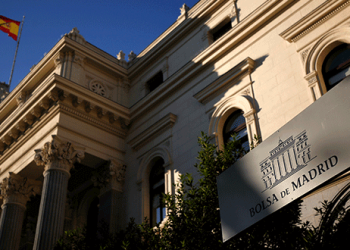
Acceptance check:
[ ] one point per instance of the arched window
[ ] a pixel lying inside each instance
(235, 124)
(157, 188)
(336, 65)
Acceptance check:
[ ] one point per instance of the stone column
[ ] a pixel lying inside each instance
(15, 192)
(58, 157)
(110, 179)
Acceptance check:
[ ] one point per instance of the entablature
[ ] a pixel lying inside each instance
(58, 95)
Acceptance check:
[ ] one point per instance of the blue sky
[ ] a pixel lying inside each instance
(111, 25)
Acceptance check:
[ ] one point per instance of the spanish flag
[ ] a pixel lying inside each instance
(9, 26)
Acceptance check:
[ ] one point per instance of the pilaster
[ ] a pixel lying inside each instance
(110, 179)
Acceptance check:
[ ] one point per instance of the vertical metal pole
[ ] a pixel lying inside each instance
(14, 60)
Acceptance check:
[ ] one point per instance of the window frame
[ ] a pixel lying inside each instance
(170, 177)
(233, 117)
(224, 109)
(334, 72)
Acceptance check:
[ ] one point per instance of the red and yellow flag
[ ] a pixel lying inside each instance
(9, 26)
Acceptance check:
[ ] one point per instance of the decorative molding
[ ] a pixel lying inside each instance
(74, 35)
(36, 111)
(21, 97)
(249, 116)
(126, 84)
(314, 19)
(76, 101)
(156, 128)
(79, 59)
(98, 87)
(7, 140)
(246, 92)
(45, 104)
(18, 190)
(312, 79)
(93, 121)
(304, 54)
(101, 112)
(14, 133)
(132, 56)
(21, 126)
(225, 81)
(59, 59)
(110, 176)
(183, 13)
(89, 106)
(58, 155)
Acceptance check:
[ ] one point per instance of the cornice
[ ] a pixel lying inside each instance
(156, 128)
(94, 54)
(92, 121)
(314, 19)
(225, 81)
(85, 95)
(259, 17)
(46, 66)
(174, 33)
(53, 96)
(205, 59)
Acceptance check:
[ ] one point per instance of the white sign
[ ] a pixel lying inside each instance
(306, 152)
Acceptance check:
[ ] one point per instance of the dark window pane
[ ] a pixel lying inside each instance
(235, 124)
(336, 65)
(221, 31)
(157, 188)
(155, 81)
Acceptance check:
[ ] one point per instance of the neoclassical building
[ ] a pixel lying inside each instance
(88, 137)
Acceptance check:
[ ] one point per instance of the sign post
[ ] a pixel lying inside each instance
(307, 151)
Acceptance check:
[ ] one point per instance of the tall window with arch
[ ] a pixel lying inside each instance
(235, 124)
(336, 65)
(157, 188)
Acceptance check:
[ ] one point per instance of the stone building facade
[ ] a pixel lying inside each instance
(89, 135)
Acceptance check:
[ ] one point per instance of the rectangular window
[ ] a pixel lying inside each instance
(221, 29)
(155, 81)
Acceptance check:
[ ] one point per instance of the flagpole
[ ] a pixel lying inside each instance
(14, 60)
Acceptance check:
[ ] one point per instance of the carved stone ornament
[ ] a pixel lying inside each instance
(304, 55)
(21, 97)
(233, 12)
(111, 175)
(16, 189)
(184, 9)
(98, 88)
(131, 56)
(59, 59)
(312, 79)
(79, 59)
(74, 35)
(58, 155)
(121, 56)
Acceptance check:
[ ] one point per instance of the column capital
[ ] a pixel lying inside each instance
(18, 190)
(110, 176)
(58, 155)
